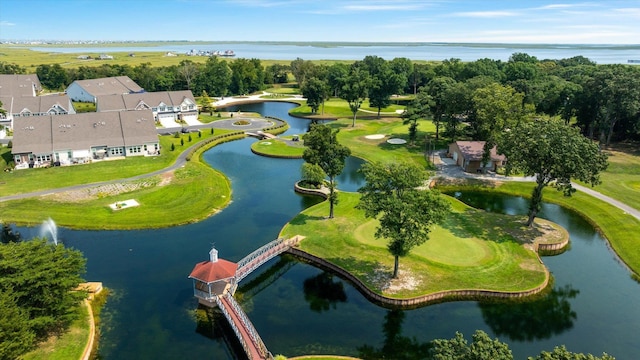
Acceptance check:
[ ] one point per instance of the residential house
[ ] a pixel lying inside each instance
(81, 138)
(14, 88)
(468, 155)
(88, 90)
(174, 105)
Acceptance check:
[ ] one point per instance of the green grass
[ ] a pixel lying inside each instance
(83, 107)
(284, 89)
(621, 180)
(278, 148)
(69, 345)
(380, 150)
(338, 108)
(496, 260)
(29, 180)
(619, 228)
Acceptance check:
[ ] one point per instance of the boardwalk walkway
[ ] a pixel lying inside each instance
(243, 328)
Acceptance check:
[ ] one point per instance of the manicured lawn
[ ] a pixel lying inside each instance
(69, 345)
(487, 255)
(379, 149)
(28, 180)
(83, 107)
(338, 108)
(619, 228)
(278, 148)
(621, 180)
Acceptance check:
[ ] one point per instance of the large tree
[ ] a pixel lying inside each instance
(419, 108)
(383, 83)
(37, 282)
(322, 148)
(354, 90)
(438, 89)
(316, 91)
(554, 153)
(392, 194)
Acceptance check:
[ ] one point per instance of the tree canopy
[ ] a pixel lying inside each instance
(37, 282)
(322, 148)
(552, 152)
(405, 212)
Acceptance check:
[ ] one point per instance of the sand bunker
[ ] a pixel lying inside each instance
(374, 137)
(396, 141)
(124, 204)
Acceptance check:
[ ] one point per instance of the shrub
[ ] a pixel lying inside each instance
(173, 146)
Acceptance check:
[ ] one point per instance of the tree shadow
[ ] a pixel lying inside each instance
(539, 319)
(302, 219)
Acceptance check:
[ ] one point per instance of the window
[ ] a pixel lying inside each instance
(115, 151)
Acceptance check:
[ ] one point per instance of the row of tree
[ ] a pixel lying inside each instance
(37, 297)
(487, 94)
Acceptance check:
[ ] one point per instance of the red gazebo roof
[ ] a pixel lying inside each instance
(209, 272)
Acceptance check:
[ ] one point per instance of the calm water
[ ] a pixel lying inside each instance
(417, 51)
(299, 309)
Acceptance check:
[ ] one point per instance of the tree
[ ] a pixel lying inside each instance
(204, 102)
(301, 69)
(497, 108)
(383, 83)
(354, 90)
(482, 347)
(214, 78)
(312, 174)
(322, 148)
(42, 277)
(53, 77)
(438, 89)
(16, 337)
(561, 353)
(405, 212)
(552, 152)
(316, 92)
(419, 108)
(188, 70)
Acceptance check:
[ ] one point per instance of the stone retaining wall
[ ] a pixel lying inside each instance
(450, 295)
(307, 191)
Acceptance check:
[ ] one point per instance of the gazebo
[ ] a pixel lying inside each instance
(212, 278)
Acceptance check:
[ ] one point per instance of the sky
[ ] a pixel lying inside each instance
(471, 21)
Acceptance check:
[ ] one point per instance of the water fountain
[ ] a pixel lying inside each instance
(49, 229)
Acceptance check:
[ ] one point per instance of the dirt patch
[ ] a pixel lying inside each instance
(406, 281)
(166, 178)
(102, 191)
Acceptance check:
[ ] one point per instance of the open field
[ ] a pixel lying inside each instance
(621, 180)
(486, 254)
(338, 108)
(278, 148)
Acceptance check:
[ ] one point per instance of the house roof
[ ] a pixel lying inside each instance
(38, 104)
(45, 134)
(472, 150)
(18, 85)
(110, 85)
(208, 272)
(135, 101)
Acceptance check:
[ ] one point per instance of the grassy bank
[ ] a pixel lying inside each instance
(338, 108)
(188, 194)
(69, 345)
(278, 148)
(471, 250)
(619, 228)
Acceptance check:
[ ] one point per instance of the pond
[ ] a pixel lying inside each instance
(299, 309)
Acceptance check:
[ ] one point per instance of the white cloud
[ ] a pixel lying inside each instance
(486, 14)
(6, 23)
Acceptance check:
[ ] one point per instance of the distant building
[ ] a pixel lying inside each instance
(82, 138)
(174, 105)
(88, 90)
(105, 57)
(468, 155)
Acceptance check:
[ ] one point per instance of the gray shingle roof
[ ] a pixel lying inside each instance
(18, 85)
(110, 85)
(44, 134)
(142, 100)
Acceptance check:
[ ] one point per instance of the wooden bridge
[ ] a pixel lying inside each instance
(216, 281)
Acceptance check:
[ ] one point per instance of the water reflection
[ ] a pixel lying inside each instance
(535, 320)
(322, 293)
(395, 345)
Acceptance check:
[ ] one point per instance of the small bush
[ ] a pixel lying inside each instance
(173, 146)
(181, 142)
(176, 135)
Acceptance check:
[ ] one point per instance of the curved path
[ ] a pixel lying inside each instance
(448, 170)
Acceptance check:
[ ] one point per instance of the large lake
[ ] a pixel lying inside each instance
(601, 54)
(299, 309)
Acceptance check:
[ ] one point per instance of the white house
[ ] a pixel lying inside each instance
(88, 90)
(174, 105)
(81, 138)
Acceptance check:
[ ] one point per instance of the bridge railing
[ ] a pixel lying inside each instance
(248, 325)
(262, 255)
(233, 325)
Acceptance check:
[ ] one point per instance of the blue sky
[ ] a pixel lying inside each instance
(514, 21)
